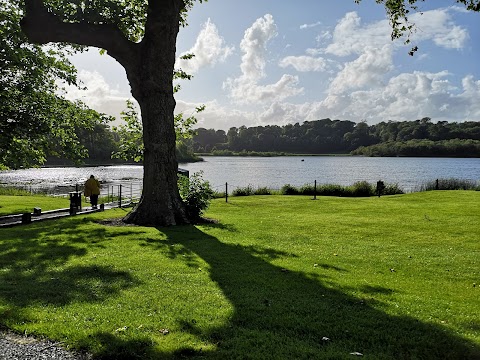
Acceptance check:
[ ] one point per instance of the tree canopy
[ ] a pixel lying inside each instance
(35, 121)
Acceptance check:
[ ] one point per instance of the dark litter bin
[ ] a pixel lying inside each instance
(75, 202)
(380, 188)
(26, 218)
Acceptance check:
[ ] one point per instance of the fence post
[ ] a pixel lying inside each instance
(315, 190)
(226, 192)
(120, 195)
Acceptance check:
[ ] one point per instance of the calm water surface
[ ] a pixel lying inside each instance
(272, 172)
(344, 170)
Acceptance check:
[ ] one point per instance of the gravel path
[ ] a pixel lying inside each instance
(16, 347)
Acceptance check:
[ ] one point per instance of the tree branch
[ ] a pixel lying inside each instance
(42, 27)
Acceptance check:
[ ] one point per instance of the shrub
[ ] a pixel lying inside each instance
(13, 191)
(245, 191)
(307, 189)
(392, 189)
(289, 190)
(331, 190)
(358, 189)
(456, 184)
(449, 184)
(263, 191)
(196, 194)
(361, 188)
(218, 194)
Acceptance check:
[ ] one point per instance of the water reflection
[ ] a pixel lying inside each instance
(64, 179)
(272, 172)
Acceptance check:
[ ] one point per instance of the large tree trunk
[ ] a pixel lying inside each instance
(152, 87)
(160, 203)
(149, 65)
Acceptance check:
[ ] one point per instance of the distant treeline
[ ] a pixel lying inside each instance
(406, 138)
(101, 142)
(392, 138)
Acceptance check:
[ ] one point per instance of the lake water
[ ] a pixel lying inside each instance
(272, 172)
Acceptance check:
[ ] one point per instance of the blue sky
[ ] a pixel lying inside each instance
(265, 62)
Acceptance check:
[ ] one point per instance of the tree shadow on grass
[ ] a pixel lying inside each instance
(282, 314)
(33, 270)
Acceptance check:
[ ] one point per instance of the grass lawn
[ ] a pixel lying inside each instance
(278, 277)
(20, 204)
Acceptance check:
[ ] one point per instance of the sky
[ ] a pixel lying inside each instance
(276, 62)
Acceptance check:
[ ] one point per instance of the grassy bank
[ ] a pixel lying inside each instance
(278, 277)
(14, 204)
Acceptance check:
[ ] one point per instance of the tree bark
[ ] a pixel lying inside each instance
(149, 66)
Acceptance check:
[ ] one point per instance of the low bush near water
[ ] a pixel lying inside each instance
(196, 193)
(450, 184)
(12, 191)
(243, 191)
(361, 189)
(358, 189)
(263, 191)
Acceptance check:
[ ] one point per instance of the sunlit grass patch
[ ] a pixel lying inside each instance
(277, 277)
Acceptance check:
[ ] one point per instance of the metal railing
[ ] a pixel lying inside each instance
(122, 193)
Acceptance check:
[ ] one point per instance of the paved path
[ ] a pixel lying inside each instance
(14, 220)
(16, 347)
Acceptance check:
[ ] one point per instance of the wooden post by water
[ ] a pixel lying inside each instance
(120, 195)
(226, 192)
(315, 190)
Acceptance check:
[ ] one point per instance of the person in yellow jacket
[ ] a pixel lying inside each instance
(92, 190)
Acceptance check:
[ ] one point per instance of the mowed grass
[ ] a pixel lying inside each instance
(278, 277)
(21, 204)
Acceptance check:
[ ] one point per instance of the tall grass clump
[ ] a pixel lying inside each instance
(263, 191)
(449, 184)
(331, 190)
(218, 194)
(392, 189)
(361, 189)
(288, 189)
(358, 189)
(13, 191)
(243, 191)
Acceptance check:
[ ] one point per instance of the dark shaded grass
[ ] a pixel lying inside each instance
(277, 308)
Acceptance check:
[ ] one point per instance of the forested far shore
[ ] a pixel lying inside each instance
(406, 138)
(320, 137)
(425, 148)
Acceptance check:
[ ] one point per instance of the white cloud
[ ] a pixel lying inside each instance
(209, 49)
(254, 45)
(98, 95)
(217, 116)
(437, 25)
(304, 63)
(408, 96)
(350, 36)
(368, 70)
(309, 26)
(245, 88)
